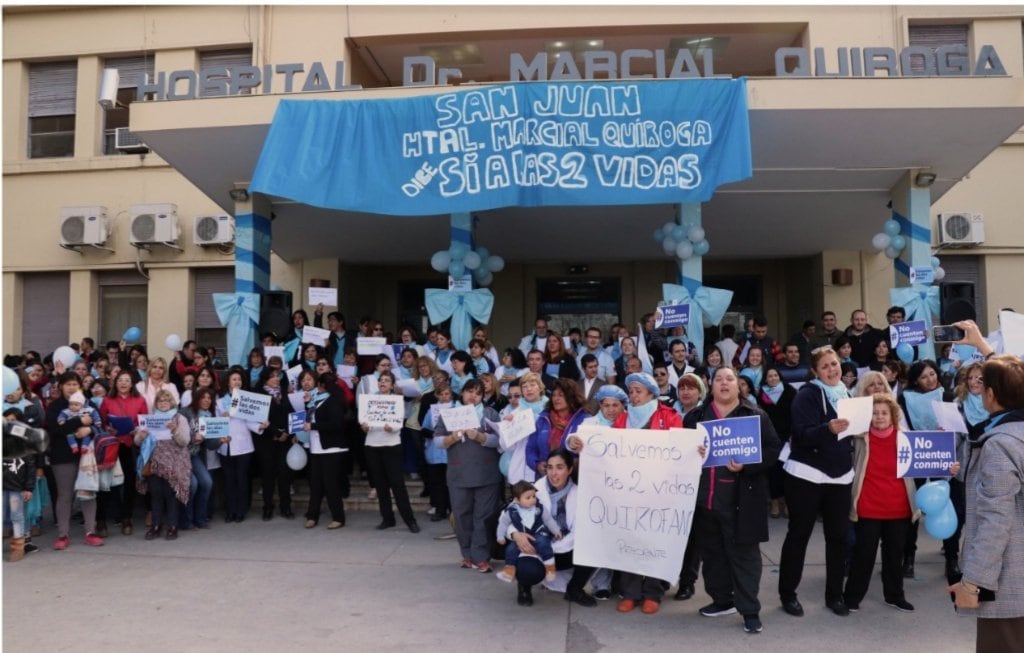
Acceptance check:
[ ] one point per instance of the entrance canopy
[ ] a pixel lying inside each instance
(825, 155)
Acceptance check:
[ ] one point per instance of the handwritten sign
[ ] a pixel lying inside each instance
(908, 333)
(315, 336)
(156, 425)
(366, 346)
(214, 427)
(460, 418)
(671, 315)
(325, 296)
(249, 406)
(519, 428)
(636, 498)
(737, 439)
(921, 454)
(377, 410)
(297, 421)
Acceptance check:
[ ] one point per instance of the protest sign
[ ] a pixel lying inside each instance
(636, 498)
(671, 315)
(214, 427)
(908, 333)
(293, 375)
(460, 284)
(857, 410)
(273, 351)
(316, 336)
(948, 415)
(1011, 326)
(377, 410)
(921, 454)
(325, 296)
(923, 275)
(297, 421)
(519, 428)
(460, 418)
(737, 439)
(366, 346)
(156, 425)
(410, 388)
(249, 406)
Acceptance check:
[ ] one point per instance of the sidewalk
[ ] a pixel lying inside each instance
(277, 587)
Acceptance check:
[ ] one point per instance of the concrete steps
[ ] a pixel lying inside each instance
(357, 498)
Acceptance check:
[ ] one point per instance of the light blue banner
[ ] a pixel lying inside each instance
(525, 144)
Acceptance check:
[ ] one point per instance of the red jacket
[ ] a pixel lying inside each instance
(123, 407)
(663, 419)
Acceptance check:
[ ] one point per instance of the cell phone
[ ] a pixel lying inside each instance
(947, 333)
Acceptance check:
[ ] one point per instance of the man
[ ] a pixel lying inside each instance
(863, 338)
(679, 361)
(87, 349)
(591, 381)
(793, 369)
(895, 315)
(339, 338)
(804, 339)
(829, 332)
(592, 345)
(760, 338)
(653, 339)
(728, 345)
(182, 360)
(535, 340)
(535, 363)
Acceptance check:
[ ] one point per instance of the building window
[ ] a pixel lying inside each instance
(934, 37)
(123, 303)
(208, 330)
(44, 311)
(132, 72)
(220, 62)
(579, 302)
(51, 109)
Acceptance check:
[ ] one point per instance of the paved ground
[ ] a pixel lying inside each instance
(277, 587)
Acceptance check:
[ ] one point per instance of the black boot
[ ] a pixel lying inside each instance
(908, 566)
(525, 597)
(953, 573)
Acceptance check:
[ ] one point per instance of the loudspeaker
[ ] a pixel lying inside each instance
(276, 312)
(957, 302)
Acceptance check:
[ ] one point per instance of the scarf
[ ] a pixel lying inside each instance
(95, 401)
(480, 413)
(273, 392)
(165, 413)
(833, 392)
(21, 405)
(254, 374)
(882, 433)
(919, 409)
(443, 355)
(558, 498)
(602, 420)
(425, 384)
(974, 409)
(639, 416)
(755, 374)
(536, 406)
(773, 394)
(316, 397)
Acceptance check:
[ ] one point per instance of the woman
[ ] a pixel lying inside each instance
(204, 403)
(188, 381)
(384, 457)
(443, 350)
(437, 458)
(478, 354)
(731, 518)
(533, 399)
(462, 371)
(848, 374)
(368, 383)
(776, 400)
(236, 452)
(205, 378)
(881, 354)
(154, 382)
(611, 401)
(844, 349)
(645, 412)
(310, 353)
(565, 412)
(474, 480)
(513, 366)
(492, 397)
(713, 361)
(754, 368)
(666, 392)
(557, 493)
(480, 333)
(141, 365)
(818, 480)
(895, 373)
(992, 585)
(256, 364)
(327, 410)
(747, 394)
(272, 447)
(169, 464)
(65, 464)
(558, 362)
(692, 392)
(627, 350)
(120, 412)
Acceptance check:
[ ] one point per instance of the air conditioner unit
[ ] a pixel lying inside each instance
(83, 225)
(154, 224)
(213, 230)
(961, 228)
(126, 141)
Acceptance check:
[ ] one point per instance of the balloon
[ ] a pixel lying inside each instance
(11, 381)
(880, 241)
(942, 525)
(458, 250)
(440, 260)
(495, 263)
(471, 260)
(65, 355)
(486, 278)
(173, 342)
(939, 274)
(935, 261)
(905, 353)
(669, 245)
(898, 242)
(678, 233)
(456, 268)
(668, 227)
(483, 252)
(684, 250)
(701, 247)
(296, 457)
(932, 497)
(892, 252)
(659, 234)
(504, 462)
(695, 233)
(891, 227)
(132, 334)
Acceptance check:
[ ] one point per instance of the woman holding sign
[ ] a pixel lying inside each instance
(236, 451)
(272, 447)
(731, 518)
(201, 486)
(566, 411)
(383, 450)
(170, 464)
(120, 412)
(326, 412)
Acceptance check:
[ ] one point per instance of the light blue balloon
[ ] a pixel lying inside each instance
(932, 497)
(486, 278)
(456, 268)
(898, 242)
(659, 234)
(684, 250)
(495, 263)
(669, 245)
(471, 260)
(880, 241)
(132, 334)
(503, 463)
(483, 252)
(891, 227)
(11, 381)
(702, 247)
(695, 233)
(942, 525)
(458, 250)
(935, 262)
(892, 252)
(905, 353)
(678, 233)
(440, 260)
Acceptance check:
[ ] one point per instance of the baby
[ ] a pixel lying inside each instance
(90, 417)
(525, 515)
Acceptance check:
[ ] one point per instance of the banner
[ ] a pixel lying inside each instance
(908, 333)
(527, 144)
(377, 410)
(922, 454)
(215, 427)
(737, 439)
(671, 315)
(636, 499)
(249, 406)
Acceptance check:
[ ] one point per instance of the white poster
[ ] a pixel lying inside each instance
(858, 411)
(460, 418)
(1011, 325)
(325, 296)
(637, 493)
(378, 410)
(315, 336)
(366, 346)
(518, 428)
(249, 406)
(273, 351)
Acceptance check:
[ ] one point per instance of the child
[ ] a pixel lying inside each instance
(19, 483)
(525, 515)
(882, 509)
(90, 417)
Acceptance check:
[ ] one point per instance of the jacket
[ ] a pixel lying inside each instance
(537, 446)
(811, 442)
(861, 451)
(664, 418)
(60, 452)
(331, 417)
(20, 475)
(471, 464)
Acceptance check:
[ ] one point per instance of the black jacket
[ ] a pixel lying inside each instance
(811, 442)
(60, 452)
(20, 474)
(331, 416)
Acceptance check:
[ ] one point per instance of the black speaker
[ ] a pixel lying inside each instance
(957, 302)
(276, 312)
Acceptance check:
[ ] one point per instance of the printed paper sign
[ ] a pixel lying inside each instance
(460, 418)
(214, 427)
(1011, 325)
(908, 333)
(378, 410)
(273, 351)
(920, 454)
(636, 498)
(297, 421)
(924, 275)
(366, 346)
(325, 296)
(156, 425)
(949, 417)
(737, 439)
(671, 315)
(249, 406)
(460, 284)
(293, 375)
(517, 429)
(315, 336)
(858, 411)
(297, 400)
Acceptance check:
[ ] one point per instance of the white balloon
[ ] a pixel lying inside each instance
(440, 260)
(695, 233)
(495, 263)
(684, 250)
(939, 273)
(65, 355)
(891, 252)
(669, 245)
(296, 457)
(880, 241)
(11, 381)
(486, 278)
(173, 342)
(471, 260)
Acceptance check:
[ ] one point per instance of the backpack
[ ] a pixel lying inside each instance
(106, 447)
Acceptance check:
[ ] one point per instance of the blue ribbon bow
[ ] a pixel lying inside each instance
(707, 307)
(462, 308)
(240, 313)
(920, 303)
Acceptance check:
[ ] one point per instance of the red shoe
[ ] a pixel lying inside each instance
(626, 605)
(466, 564)
(61, 543)
(92, 539)
(483, 567)
(649, 606)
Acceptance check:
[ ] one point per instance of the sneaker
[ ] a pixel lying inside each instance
(900, 604)
(483, 567)
(752, 624)
(432, 510)
(579, 597)
(507, 574)
(30, 548)
(717, 609)
(603, 595)
(466, 563)
(649, 606)
(92, 539)
(61, 543)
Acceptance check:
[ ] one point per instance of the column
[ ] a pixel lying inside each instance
(691, 271)
(911, 206)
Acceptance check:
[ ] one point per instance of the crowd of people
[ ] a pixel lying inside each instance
(128, 436)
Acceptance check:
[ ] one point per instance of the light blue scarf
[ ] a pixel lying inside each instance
(425, 384)
(974, 409)
(558, 504)
(755, 374)
(536, 406)
(833, 392)
(920, 411)
(774, 393)
(638, 416)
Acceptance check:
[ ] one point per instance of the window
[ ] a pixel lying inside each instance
(44, 311)
(130, 71)
(123, 303)
(934, 37)
(579, 302)
(208, 329)
(223, 60)
(51, 109)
